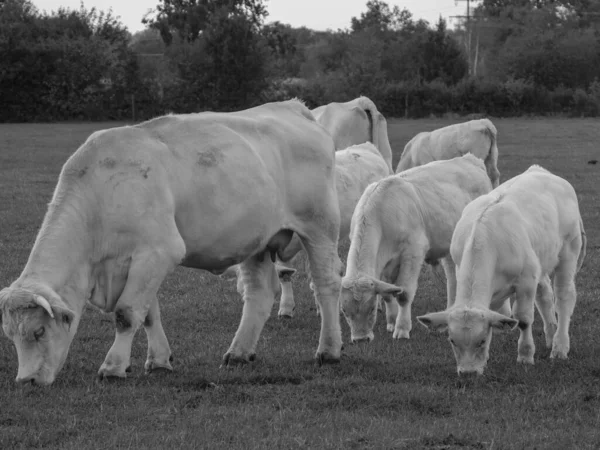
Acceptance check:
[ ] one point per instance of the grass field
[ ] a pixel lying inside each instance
(383, 395)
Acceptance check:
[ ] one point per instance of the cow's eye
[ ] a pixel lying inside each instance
(37, 334)
(452, 342)
(481, 344)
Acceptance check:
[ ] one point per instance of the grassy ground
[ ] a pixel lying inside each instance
(384, 395)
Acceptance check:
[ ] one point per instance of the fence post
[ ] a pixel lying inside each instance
(133, 107)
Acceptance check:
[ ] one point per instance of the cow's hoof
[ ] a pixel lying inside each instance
(401, 334)
(231, 360)
(286, 315)
(390, 327)
(525, 360)
(558, 354)
(326, 358)
(155, 366)
(107, 373)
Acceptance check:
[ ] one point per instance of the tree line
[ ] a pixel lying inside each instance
(512, 57)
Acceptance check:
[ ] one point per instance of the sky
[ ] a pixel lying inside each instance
(315, 14)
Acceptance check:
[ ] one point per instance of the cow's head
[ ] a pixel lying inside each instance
(469, 333)
(42, 329)
(358, 302)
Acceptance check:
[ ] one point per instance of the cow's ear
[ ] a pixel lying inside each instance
(501, 322)
(386, 290)
(437, 321)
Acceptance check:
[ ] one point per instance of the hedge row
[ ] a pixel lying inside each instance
(511, 98)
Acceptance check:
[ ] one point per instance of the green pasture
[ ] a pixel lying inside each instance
(384, 395)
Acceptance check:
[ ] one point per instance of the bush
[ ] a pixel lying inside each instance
(514, 97)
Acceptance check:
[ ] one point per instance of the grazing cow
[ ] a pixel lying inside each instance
(355, 168)
(478, 137)
(355, 122)
(509, 242)
(400, 222)
(206, 191)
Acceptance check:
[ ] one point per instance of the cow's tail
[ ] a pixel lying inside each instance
(583, 251)
(491, 160)
(302, 108)
(379, 135)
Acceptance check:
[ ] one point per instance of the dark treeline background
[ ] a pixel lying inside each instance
(513, 57)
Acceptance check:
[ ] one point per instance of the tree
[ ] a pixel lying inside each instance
(188, 18)
(285, 59)
(549, 42)
(62, 65)
(217, 48)
(442, 58)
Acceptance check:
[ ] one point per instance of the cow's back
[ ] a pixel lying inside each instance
(347, 125)
(475, 137)
(215, 174)
(427, 199)
(459, 139)
(356, 168)
(443, 189)
(530, 216)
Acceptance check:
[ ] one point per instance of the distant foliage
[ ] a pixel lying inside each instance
(517, 57)
(71, 64)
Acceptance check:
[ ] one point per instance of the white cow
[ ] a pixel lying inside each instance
(207, 191)
(355, 122)
(478, 137)
(355, 168)
(509, 242)
(400, 222)
(352, 126)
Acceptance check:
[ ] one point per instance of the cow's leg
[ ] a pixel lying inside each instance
(523, 312)
(566, 297)
(146, 273)
(544, 301)
(320, 242)
(391, 312)
(159, 352)
(408, 278)
(258, 301)
(324, 268)
(286, 304)
(505, 308)
(450, 271)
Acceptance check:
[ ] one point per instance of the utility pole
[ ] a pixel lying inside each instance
(472, 67)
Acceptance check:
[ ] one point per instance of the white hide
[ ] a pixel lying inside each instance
(206, 191)
(478, 137)
(354, 122)
(508, 243)
(355, 168)
(400, 222)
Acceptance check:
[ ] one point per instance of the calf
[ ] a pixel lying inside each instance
(509, 242)
(400, 222)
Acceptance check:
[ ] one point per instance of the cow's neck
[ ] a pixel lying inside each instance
(475, 276)
(365, 251)
(60, 256)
